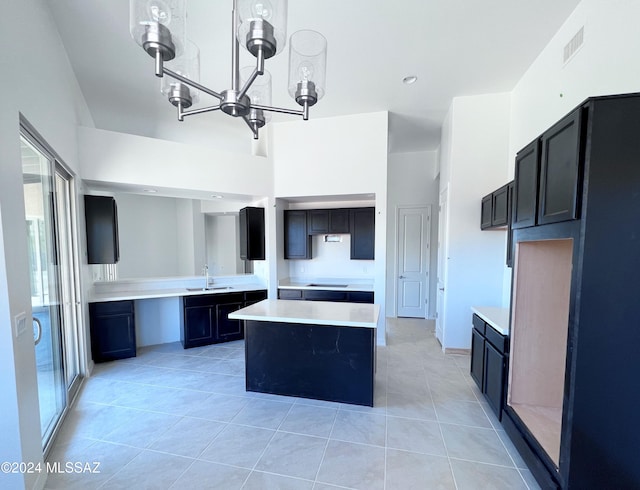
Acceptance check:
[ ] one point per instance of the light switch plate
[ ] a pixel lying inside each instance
(20, 324)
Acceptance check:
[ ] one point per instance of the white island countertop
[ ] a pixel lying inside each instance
(311, 312)
(495, 316)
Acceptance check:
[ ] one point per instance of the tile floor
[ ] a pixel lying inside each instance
(174, 418)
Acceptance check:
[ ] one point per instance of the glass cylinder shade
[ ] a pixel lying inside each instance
(163, 21)
(260, 90)
(307, 62)
(251, 13)
(187, 65)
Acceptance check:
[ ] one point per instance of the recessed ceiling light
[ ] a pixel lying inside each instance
(150, 191)
(216, 196)
(410, 79)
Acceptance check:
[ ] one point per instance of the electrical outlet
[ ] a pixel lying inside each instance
(20, 324)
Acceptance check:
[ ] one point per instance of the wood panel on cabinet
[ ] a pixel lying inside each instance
(525, 195)
(252, 233)
(362, 227)
(113, 333)
(101, 216)
(560, 175)
(297, 241)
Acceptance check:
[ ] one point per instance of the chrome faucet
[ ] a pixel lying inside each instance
(205, 271)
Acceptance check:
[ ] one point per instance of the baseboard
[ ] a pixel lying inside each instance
(449, 350)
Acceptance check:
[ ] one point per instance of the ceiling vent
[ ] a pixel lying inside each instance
(573, 46)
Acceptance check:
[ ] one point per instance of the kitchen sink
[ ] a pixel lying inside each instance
(328, 285)
(217, 288)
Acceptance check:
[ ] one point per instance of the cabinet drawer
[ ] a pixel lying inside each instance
(314, 295)
(290, 293)
(360, 296)
(498, 340)
(111, 307)
(200, 300)
(478, 324)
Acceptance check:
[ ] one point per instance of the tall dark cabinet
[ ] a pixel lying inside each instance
(297, 241)
(252, 233)
(574, 390)
(363, 224)
(101, 217)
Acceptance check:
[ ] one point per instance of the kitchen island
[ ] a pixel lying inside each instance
(318, 349)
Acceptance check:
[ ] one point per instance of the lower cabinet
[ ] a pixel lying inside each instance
(488, 362)
(206, 317)
(326, 295)
(113, 332)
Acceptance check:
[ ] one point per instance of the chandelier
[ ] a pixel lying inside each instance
(159, 27)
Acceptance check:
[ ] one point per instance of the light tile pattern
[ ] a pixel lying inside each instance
(175, 418)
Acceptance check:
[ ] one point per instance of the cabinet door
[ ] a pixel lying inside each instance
(101, 216)
(227, 329)
(477, 357)
(251, 297)
(252, 233)
(339, 221)
(198, 326)
(290, 294)
(113, 334)
(560, 171)
(362, 225)
(500, 206)
(318, 221)
(485, 212)
(525, 195)
(297, 241)
(493, 377)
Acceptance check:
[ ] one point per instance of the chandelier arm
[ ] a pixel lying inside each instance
(193, 112)
(259, 70)
(253, 129)
(191, 83)
(281, 110)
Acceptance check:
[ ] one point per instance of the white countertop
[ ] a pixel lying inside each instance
(326, 284)
(311, 312)
(169, 292)
(495, 316)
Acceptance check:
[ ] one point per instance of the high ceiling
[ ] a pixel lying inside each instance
(454, 47)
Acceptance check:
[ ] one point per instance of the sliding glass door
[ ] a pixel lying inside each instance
(48, 208)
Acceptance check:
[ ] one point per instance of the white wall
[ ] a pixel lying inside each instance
(223, 256)
(157, 321)
(606, 64)
(37, 75)
(123, 158)
(334, 157)
(192, 255)
(147, 229)
(411, 181)
(474, 162)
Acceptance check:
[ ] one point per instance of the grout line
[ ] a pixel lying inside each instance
(324, 453)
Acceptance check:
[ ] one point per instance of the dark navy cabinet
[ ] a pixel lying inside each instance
(252, 233)
(362, 226)
(525, 191)
(297, 240)
(489, 350)
(113, 333)
(101, 218)
(326, 295)
(205, 318)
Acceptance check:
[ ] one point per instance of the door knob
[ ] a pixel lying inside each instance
(400, 277)
(441, 289)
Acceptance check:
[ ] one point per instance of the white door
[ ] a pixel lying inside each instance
(442, 262)
(414, 224)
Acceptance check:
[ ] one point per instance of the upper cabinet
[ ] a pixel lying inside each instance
(525, 190)
(363, 221)
(301, 224)
(323, 221)
(252, 233)
(559, 171)
(297, 241)
(548, 175)
(495, 212)
(101, 215)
